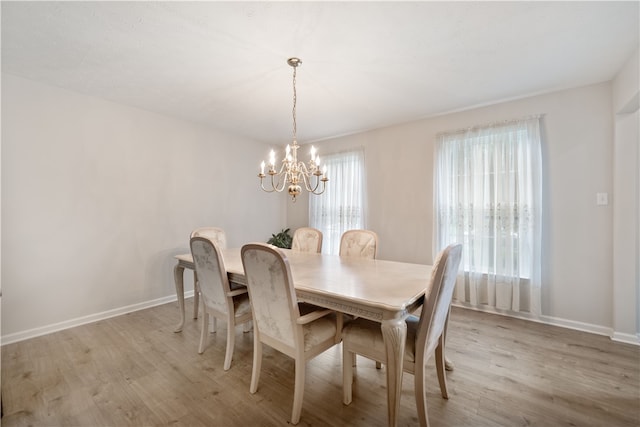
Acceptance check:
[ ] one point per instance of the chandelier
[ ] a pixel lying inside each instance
(293, 173)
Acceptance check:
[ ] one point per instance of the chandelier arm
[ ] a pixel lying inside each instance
(307, 184)
(311, 170)
(264, 189)
(314, 191)
(317, 193)
(302, 168)
(280, 181)
(273, 188)
(282, 168)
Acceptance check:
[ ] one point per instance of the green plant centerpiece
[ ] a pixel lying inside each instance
(282, 240)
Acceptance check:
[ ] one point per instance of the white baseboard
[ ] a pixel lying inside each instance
(578, 326)
(44, 330)
(563, 323)
(549, 320)
(626, 338)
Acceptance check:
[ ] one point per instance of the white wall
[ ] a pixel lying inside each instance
(577, 157)
(97, 198)
(626, 227)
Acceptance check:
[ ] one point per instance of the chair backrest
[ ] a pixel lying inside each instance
(273, 298)
(212, 275)
(360, 243)
(307, 239)
(214, 233)
(436, 307)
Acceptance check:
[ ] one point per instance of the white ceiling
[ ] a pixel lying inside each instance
(365, 64)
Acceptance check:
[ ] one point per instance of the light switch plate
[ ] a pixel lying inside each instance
(602, 199)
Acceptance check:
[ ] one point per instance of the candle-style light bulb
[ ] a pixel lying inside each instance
(287, 151)
(262, 167)
(272, 158)
(313, 152)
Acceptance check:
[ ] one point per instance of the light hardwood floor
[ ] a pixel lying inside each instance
(132, 370)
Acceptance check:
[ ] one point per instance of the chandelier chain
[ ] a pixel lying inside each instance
(295, 98)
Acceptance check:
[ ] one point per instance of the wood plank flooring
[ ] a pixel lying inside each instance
(132, 370)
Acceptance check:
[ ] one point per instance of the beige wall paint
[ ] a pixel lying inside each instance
(625, 224)
(626, 84)
(97, 198)
(577, 158)
(85, 180)
(626, 227)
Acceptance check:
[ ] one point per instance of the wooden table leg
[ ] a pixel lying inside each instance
(178, 277)
(394, 332)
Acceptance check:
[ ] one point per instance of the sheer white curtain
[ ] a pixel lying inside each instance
(488, 197)
(341, 207)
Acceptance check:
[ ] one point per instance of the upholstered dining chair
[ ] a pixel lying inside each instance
(307, 239)
(218, 299)
(425, 335)
(360, 243)
(220, 237)
(216, 234)
(277, 318)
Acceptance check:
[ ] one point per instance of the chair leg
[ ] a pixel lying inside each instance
(448, 364)
(196, 295)
(440, 367)
(230, 343)
(298, 392)
(257, 362)
(347, 375)
(247, 326)
(378, 365)
(204, 329)
(421, 395)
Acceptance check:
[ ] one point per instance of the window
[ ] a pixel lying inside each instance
(341, 207)
(488, 197)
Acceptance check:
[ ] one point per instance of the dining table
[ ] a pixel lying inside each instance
(379, 290)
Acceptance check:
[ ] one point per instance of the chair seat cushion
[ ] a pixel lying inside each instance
(367, 334)
(319, 330)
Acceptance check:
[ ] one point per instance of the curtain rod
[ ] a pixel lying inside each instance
(489, 124)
